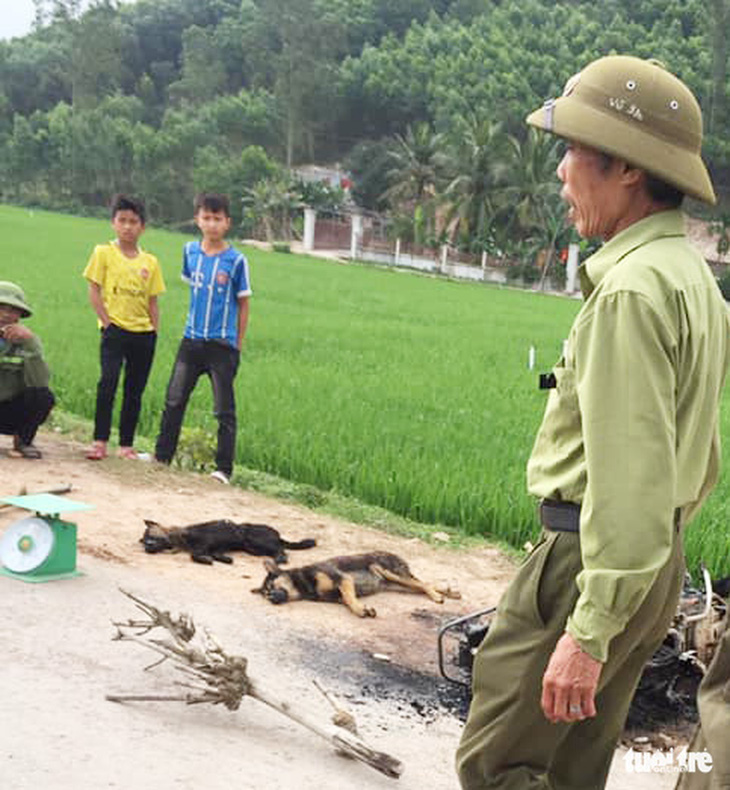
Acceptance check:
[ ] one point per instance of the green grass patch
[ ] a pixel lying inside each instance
(329, 502)
(405, 392)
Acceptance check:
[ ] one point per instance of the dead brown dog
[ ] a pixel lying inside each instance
(345, 580)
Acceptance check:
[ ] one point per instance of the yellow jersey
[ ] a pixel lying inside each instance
(126, 285)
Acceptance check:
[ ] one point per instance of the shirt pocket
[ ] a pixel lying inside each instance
(565, 388)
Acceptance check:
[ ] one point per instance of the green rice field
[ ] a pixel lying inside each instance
(404, 391)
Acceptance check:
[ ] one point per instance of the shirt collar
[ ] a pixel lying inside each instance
(661, 224)
(115, 244)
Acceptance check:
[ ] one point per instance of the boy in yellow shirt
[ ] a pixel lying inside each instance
(124, 283)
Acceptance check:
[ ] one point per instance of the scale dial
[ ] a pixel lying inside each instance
(26, 545)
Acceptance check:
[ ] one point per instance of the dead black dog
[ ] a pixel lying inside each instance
(212, 539)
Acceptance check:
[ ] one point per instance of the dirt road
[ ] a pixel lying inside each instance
(57, 731)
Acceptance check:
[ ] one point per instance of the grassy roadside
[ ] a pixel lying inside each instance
(329, 503)
(409, 393)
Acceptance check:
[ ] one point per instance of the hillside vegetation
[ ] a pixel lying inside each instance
(166, 97)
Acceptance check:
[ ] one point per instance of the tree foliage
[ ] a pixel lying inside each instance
(161, 97)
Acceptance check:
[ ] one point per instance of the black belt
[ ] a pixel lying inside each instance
(565, 516)
(559, 516)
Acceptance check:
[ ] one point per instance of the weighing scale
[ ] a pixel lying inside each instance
(40, 548)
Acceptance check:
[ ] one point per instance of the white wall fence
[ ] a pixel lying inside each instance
(443, 265)
(445, 261)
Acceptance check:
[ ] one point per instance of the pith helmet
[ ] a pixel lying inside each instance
(636, 110)
(13, 295)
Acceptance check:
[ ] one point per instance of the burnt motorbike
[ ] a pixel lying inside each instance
(667, 690)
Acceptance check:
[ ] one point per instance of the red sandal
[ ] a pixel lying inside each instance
(97, 452)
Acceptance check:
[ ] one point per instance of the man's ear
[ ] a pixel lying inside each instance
(631, 176)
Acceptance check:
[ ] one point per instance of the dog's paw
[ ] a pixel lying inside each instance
(368, 611)
(224, 558)
(448, 592)
(203, 559)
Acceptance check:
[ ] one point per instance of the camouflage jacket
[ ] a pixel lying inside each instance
(21, 365)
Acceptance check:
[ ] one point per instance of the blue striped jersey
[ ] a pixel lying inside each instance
(216, 283)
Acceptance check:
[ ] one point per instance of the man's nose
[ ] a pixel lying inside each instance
(561, 168)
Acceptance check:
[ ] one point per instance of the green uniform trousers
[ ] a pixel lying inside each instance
(507, 742)
(713, 701)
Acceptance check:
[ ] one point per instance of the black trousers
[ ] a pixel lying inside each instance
(219, 361)
(24, 414)
(134, 351)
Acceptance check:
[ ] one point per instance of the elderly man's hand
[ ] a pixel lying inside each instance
(17, 333)
(569, 683)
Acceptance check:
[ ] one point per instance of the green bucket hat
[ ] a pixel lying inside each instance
(13, 295)
(635, 110)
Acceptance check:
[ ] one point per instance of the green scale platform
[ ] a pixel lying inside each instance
(40, 548)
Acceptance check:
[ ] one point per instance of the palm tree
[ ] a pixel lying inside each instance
(531, 205)
(414, 174)
(478, 170)
(272, 201)
(533, 189)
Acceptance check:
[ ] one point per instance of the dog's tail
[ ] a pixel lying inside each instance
(307, 543)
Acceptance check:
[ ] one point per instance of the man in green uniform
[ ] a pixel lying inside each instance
(628, 448)
(25, 399)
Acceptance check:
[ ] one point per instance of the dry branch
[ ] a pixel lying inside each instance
(341, 717)
(212, 676)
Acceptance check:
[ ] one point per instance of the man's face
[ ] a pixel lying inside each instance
(128, 226)
(9, 315)
(593, 190)
(213, 224)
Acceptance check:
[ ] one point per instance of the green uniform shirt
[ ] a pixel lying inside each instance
(21, 365)
(631, 429)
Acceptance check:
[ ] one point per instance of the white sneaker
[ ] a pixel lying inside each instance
(221, 477)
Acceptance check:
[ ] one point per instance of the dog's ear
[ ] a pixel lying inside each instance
(270, 565)
(155, 530)
(150, 527)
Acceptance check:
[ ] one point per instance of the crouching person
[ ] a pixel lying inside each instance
(25, 399)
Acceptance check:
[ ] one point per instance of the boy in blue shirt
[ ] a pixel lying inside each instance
(216, 324)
